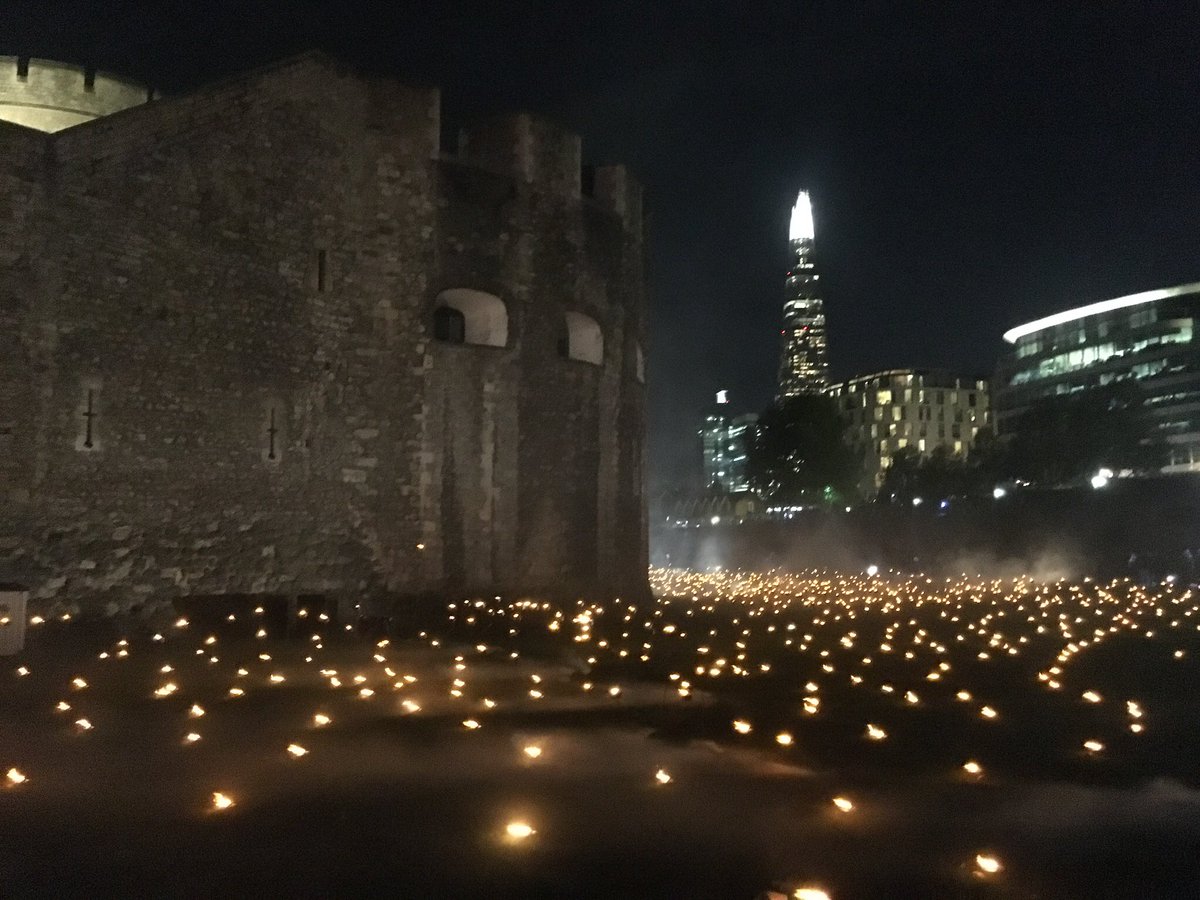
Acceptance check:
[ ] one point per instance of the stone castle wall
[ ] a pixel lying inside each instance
(218, 373)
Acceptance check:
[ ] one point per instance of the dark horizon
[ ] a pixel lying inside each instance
(971, 169)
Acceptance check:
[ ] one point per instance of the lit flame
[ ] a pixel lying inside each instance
(519, 831)
(221, 801)
(987, 864)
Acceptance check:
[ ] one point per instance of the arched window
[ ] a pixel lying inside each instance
(449, 325)
(481, 318)
(582, 339)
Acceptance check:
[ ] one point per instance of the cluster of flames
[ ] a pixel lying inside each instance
(703, 630)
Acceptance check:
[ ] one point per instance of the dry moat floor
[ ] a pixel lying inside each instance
(864, 737)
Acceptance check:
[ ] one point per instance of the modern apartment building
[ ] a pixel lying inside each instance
(922, 409)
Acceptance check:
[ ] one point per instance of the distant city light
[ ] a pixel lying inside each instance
(998, 492)
(1101, 478)
(872, 570)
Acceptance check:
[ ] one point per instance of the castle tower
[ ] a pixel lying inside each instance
(348, 364)
(804, 367)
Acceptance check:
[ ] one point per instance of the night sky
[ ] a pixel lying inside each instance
(971, 167)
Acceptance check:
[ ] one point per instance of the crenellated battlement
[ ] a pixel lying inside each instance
(544, 154)
(619, 192)
(527, 148)
(50, 96)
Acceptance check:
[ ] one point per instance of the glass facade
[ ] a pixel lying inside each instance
(1147, 338)
(724, 441)
(890, 411)
(804, 366)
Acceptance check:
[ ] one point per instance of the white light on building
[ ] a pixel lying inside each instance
(801, 226)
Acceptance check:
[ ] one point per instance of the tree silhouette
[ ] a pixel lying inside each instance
(941, 474)
(799, 454)
(1063, 439)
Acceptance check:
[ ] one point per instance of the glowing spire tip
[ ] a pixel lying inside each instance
(801, 227)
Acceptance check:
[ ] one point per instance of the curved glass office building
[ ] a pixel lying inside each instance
(1150, 338)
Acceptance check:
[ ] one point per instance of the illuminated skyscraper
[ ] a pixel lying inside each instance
(725, 439)
(804, 368)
